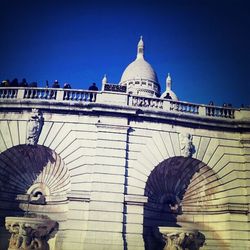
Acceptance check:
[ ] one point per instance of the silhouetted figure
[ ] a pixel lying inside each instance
(14, 83)
(211, 103)
(168, 96)
(47, 84)
(56, 84)
(23, 83)
(33, 85)
(5, 83)
(92, 96)
(66, 86)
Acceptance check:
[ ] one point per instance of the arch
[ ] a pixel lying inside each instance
(29, 168)
(34, 179)
(176, 187)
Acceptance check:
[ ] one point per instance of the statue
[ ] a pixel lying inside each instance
(34, 127)
(187, 147)
(184, 240)
(29, 233)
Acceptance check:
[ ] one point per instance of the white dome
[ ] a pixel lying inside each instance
(139, 76)
(139, 69)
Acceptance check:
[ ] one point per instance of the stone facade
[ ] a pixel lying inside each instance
(111, 172)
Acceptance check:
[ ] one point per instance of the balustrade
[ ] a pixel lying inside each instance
(224, 112)
(40, 93)
(79, 95)
(8, 93)
(184, 107)
(137, 101)
(147, 102)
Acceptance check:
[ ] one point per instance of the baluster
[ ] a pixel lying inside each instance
(11, 93)
(212, 111)
(79, 98)
(133, 101)
(179, 107)
(146, 102)
(40, 93)
(192, 108)
(51, 94)
(45, 94)
(176, 106)
(76, 96)
(226, 113)
(70, 95)
(83, 97)
(220, 112)
(87, 96)
(54, 94)
(171, 106)
(141, 102)
(14, 93)
(35, 93)
(66, 94)
(160, 104)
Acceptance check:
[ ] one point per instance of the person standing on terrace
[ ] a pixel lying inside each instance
(92, 96)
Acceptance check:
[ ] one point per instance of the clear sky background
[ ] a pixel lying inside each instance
(204, 44)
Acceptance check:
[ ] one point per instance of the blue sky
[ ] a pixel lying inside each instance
(204, 44)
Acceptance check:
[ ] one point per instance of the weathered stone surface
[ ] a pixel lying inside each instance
(118, 170)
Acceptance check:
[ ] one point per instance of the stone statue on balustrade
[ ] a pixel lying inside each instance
(34, 127)
(186, 144)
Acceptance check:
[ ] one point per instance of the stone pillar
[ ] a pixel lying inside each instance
(182, 238)
(106, 207)
(30, 233)
(133, 224)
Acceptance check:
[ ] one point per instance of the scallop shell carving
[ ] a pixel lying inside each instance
(24, 166)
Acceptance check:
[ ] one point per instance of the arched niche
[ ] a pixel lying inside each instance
(175, 188)
(33, 179)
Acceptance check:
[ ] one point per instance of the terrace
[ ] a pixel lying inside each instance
(116, 95)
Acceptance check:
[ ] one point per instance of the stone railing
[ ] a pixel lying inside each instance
(77, 95)
(225, 112)
(115, 88)
(139, 101)
(48, 94)
(8, 92)
(39, 93)
(184, 107)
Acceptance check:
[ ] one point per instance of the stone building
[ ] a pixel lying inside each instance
(129, 169)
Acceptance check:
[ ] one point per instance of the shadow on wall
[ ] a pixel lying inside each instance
(165, 189)
(20, 167)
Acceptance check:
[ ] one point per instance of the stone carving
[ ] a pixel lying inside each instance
(34, 127)
(30, 233)
(184, 240)
(187, 147)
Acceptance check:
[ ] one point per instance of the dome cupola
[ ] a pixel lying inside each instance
(169, 94)
(139, 76)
